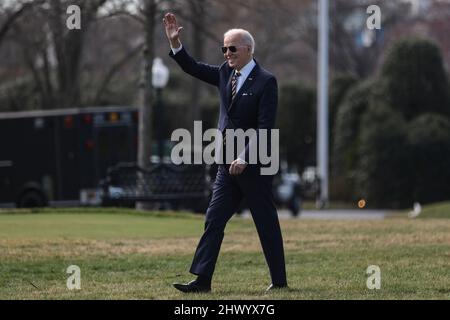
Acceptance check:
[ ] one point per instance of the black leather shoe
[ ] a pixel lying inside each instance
(274, 287)
(192, 286)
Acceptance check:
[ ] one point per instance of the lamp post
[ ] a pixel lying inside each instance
(160, 77)
(322, 103)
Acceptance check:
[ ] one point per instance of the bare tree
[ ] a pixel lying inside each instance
(68, 46)
(149, 12)
(14, 16)
(54, 56)
(348, 54)
(197, 14)
(114, 70)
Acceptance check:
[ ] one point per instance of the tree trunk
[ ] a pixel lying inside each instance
(197, 14)
(68, 49)
(146, 91)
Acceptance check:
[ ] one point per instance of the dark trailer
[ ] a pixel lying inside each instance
(56, 157)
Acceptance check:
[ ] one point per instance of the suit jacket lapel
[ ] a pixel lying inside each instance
(247, 84)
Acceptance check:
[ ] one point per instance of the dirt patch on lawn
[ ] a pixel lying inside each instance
(298, 235)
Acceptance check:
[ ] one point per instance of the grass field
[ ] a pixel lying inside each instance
(125, 254)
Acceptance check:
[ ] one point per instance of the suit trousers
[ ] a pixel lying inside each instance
(228, 191)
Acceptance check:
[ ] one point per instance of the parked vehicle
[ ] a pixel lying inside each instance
(310, 183)
(57, 157)
(288, 191)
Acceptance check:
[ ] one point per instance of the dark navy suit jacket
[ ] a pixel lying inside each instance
(255, 105)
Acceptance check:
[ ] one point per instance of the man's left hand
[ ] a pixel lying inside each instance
(237, 166)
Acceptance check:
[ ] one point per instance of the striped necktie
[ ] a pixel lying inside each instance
(234, 80)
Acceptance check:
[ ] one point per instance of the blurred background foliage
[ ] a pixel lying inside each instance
(392, 134)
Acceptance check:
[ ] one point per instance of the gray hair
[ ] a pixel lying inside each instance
(246, 37)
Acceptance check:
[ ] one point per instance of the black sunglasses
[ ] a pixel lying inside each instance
(232, 49)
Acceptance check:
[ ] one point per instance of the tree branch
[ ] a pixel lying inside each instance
(114, 69)
(12, 18)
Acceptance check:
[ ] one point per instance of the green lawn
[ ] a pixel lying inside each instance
(437, 210)
(125, 254)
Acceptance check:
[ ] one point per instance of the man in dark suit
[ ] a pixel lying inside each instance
(248, 100)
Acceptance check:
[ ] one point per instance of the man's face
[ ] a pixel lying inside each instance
(241, 57)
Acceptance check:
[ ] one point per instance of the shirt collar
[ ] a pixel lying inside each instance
(245, 71)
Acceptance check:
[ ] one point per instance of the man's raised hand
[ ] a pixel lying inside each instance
(172, 30)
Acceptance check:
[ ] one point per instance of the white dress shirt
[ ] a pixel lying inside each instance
(175, 51)
(245, 72)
